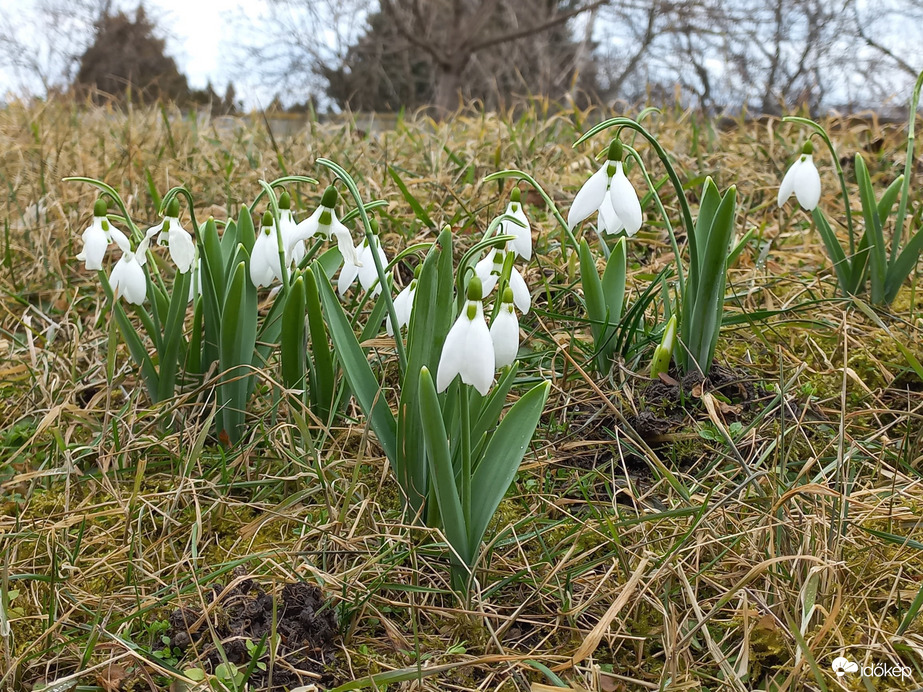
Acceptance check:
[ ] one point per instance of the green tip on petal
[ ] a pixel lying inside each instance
(329, 199)
(99, 209)
(285, 200)
(267, 218)
(808, 148)
(616, 151)
(515, 195)
(173, 208)
(166, 226)
(475, 290)
(507, 295)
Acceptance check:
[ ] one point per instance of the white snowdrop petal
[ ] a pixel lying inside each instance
(504, 333)
(305, 230)
(608, 220)
(521, 297)
(345, 244)
(347, 277)
(135, 283)
(95, 243)
(120, 239)
(807, 183)
(589, 197)
(453, 352)
(625, 201)
(522, 242)
(182, 250)
(478, 366)
(787, 186)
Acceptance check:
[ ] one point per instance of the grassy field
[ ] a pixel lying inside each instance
(736, 534)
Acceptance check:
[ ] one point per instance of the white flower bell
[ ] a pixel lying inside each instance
(504, 332)
(403, 305)
(802, 180)
(182, 249)
(127, 278)
(366, 271)
(265, 266)
(97, 236)
(609, 192)
(324, 223)
(490, 269)
(468, 350)
(522, 241)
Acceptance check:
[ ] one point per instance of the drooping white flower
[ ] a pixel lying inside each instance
(489, 269)
(366, 271)
(127, 278)
(324, 224)
(265, 265)
(403, 305)
(803, 180)
(295, 249)
(97, 236)
(182, 249)
(468, 350)
(610, 193)
(522, 241)
(504, 332)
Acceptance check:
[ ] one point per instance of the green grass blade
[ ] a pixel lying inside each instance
(877, 258)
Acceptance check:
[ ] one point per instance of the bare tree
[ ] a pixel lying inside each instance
(42, 45)
(454, 32)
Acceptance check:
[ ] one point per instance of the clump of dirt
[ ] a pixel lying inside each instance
(665, 403)
(242, 615)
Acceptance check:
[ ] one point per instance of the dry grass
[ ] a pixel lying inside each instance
(730, 548)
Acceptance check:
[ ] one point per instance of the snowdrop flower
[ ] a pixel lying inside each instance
(264, 258)
(294, 249)
(324, 223)
(366, 271)
(803, 180)
(468, 350)
(504, 332)
(522, 242)
(490, 269)
(127, 278)
(182, 250)
(97, 236)
(403, 304)
(609, 192)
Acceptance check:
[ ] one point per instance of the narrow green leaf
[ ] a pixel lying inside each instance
(501, 460)
(441, 471)
(594, 300)
(356, 367)
(430, 321)
(237, 339)
(842, 266)
(292, 338)
(877, 256)
(323, 370)
(709, 297)
(903, 265)
(174, 340)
